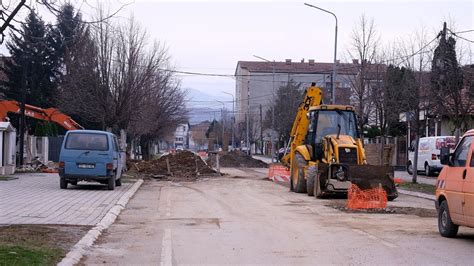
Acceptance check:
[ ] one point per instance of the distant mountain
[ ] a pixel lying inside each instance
(203, 106)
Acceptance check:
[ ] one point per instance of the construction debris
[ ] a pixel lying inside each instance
(183, 165)
(235, 159)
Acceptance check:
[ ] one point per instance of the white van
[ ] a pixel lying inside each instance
(429, 150)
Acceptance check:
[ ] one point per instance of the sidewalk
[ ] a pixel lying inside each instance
(420, 178)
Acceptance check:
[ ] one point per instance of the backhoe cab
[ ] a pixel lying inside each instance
(326, 153)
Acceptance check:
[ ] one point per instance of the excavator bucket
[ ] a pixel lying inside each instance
(373, 176)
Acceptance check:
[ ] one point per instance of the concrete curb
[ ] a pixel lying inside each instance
(80, 248)
(417, 194)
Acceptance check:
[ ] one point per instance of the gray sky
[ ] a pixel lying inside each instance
(212, 36)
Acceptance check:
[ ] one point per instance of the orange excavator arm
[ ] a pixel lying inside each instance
(49, 114)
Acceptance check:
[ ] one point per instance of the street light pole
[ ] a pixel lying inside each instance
(272, 144)
(223, 123)
(334, 73)
(233, 118)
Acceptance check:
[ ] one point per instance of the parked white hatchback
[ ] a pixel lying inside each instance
(429, 150)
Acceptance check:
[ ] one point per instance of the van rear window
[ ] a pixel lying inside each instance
(87, 141)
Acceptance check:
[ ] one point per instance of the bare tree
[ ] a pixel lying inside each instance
(10, 10)
(365, 42)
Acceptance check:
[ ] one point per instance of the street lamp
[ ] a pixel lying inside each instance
(222, 117)
(333, 79)
(272, 106)
(233, 118)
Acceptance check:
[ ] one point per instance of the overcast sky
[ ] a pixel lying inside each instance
(212, 36)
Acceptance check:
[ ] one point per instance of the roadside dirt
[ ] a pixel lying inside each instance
(183, 166)
(420, 212)
(53, 241)
(235, 159)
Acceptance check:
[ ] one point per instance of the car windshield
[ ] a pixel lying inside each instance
(87, 141)
(332, 122)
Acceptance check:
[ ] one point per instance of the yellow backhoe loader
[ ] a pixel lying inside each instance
(326, 152)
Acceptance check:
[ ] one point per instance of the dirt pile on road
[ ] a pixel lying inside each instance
(235, 159)
(183, 165)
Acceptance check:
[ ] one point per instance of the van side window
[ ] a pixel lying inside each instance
(460, 155)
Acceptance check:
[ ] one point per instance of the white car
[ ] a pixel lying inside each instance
(429, 150)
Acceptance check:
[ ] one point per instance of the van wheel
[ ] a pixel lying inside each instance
(446, 227)
(118, 182)
(428, 171)
(111, 183)
(410, 168)
(62, 183)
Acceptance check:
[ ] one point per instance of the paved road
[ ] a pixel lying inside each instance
(248, 220)
(37, 199)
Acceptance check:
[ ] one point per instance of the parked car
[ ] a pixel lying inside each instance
(90, 155)
(429, 149)
(455, 187)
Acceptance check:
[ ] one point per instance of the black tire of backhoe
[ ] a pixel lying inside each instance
(301, 182)
(310, 177)
(390, 196)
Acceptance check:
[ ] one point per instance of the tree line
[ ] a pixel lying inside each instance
(105, 75)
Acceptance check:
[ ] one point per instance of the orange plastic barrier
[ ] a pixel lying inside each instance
(397, 180)
(278, 170)
(374, 198)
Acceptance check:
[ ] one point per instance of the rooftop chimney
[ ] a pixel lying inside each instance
(311, 62)
(288, 61)
(355, 61)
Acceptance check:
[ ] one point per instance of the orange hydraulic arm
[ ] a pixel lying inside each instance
(49, 114)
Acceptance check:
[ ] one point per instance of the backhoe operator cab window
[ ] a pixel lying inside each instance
(332, 122)
(329, 122)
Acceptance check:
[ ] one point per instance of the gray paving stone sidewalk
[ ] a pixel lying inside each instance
(37, 199)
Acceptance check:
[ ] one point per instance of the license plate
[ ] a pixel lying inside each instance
(86, 165)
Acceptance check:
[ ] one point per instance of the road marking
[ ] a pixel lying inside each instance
(166, 249)
(385, 243)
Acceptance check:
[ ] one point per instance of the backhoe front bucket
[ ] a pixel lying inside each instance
(373, 176)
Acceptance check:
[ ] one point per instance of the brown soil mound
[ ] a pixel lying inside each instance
(236, 159)
(184, 165)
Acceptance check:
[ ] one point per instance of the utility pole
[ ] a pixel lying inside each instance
(334, 66)
(261, 130)
(22, 111)
(232, 119)
(272, 143)
(248, 118)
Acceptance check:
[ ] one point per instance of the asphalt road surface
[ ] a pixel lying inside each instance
(243, 219)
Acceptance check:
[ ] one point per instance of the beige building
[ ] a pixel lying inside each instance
(257, 82)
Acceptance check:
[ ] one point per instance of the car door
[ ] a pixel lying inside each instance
(454, 178)
(468, 190)
(117, 157)
(423, 148)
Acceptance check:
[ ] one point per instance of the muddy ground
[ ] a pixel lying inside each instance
(181, 166)
(341, 205)
(53, 241)
(235, 159)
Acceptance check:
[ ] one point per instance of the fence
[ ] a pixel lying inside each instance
(393, 151)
